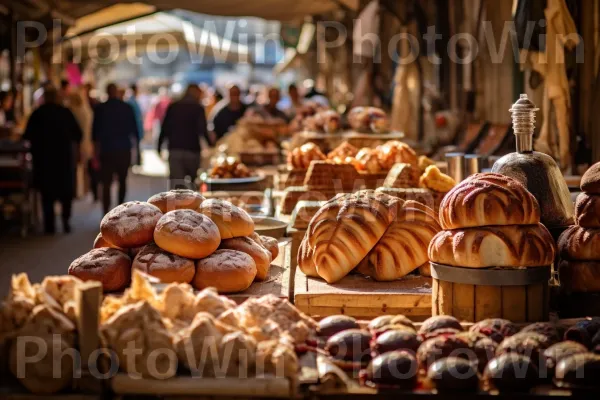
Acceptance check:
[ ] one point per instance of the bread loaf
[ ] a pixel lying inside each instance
(260, 255)
(176, 199)
(404, 244)
(579, 276)
(394, 152)
(305, 259)
(326, 175)
(590, 181)
(488, 199)
(345, 230)
(402, 175)
(578, 243)
(587, 210)
(494, 246)
(231, 220)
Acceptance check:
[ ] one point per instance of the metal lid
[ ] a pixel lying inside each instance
(490, 276)
(523, 104)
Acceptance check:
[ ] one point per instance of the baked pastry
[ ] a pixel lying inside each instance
(547, 329)
(386, 322)
(326, 121)
(393, 370)
(590, 181)
(395, 339)
(232, 221)
(488, 199)
(228, 271)
(578, 243)
(530, 344)
(423, 196)
(394, 152)
(176, 199)
(163, 265)
(441, 347)
(579, 276)
(368, 119)
(109, 266)
(587, 210)
(260, 255)
(402, 175)
(271, 244)
(326, 175)
(496, 329)
(435, 180)
(130, 224)
(100, 242)
(494, 246)
(305, 259)
(345, 230)
(424, 162)
(559, 351)
(403, 246)
(334, 324)
(350, 349)
(367, 160)
(511, 372)
(187, 233)
(439, 322)
(301, 157)
(453, 374)
(343, 150)
(579, 371)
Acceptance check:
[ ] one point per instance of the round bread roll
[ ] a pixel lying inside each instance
(231, 220)
(176, 199)
(494, 246)
(590, 181)
(187, 233)
(260, 255)
(228, 271)
(577, 243)
(579, 276)
(100, 242)
(270, 244)
(130, 224)
(587, 210)
(488, 199)
(109, 266)
(165, 266)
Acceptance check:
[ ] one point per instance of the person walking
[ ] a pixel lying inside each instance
(227, 112)
(114, 132)
(54, 135)
(183, 127)
(137, 111)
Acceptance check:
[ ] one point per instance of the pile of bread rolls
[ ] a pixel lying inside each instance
(178, 236)
(491, 220)
(369, 120)
(385, 237)
(579, 245)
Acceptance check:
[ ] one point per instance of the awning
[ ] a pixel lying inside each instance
(156, 32)
(108, 16)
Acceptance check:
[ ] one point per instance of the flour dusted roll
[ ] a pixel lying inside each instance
(488, 199)
(187, 233)
(130, 224)
(494, 246)
(163, 265)
(270, 244)
(590, 181)
(579, 276)
(587, 210)
(345, 230)
(176, 199)
(100, 242)
(228, 271)
(109, 266)
(577, 243)
(404, 245)
(231, 220)
(260, 255)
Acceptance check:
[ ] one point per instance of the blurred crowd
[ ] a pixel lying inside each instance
(85, 142)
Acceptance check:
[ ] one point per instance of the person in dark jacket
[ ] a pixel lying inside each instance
(55, 136)
(227, 112)
(182, 128)
(114, 133)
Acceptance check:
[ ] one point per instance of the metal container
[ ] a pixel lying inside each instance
(474, 164)
(537, 171)
(456, 166)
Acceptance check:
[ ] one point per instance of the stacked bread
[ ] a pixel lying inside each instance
(178, 236)
(491, 220)
(579, 245)
(385, 237)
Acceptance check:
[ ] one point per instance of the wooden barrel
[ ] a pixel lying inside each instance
(519, 295)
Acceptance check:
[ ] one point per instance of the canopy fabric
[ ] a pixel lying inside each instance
(108, 16)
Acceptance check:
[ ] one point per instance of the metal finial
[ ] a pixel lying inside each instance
(523, 118)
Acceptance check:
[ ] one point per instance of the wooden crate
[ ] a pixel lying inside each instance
(363, 298)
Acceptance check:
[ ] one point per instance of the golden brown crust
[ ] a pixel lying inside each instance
(590, 181)
(579, 276)
(587, 210)
(345, 230)
(260, 255)
(488, 199)
(228, 271)
(326, 175)
(305, 259)
(100, 242)
(130, 224)
(163, 265)
(176, 199)
(300, 157)
(494, 246)
(187, 233)
(403, 247)
(109, 266)
(231, 220)
(271, 244)
(394, 152)
(578, 243)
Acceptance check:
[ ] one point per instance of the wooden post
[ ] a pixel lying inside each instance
(13, 50)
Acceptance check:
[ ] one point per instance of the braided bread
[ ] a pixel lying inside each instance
(488, 199)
